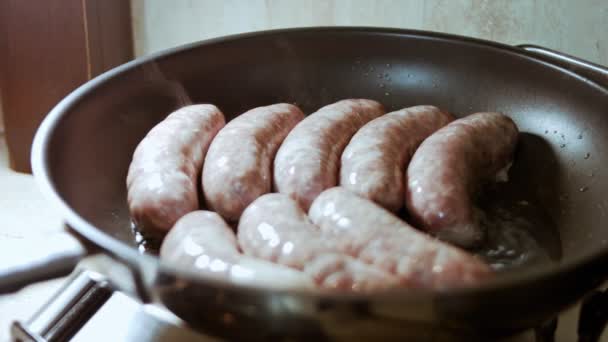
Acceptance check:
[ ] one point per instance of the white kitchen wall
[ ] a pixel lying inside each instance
(577, 27)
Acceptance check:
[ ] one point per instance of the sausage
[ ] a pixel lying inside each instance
(449, 167)
(374, 235)
(238, 165)
(162, 177)
(275, 228)
(338, 272)
(201, 242)
(374, 162)
(308, 160)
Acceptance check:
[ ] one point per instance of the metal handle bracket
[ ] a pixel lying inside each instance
(67, 311)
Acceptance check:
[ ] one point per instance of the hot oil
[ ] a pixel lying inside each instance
(519, 232)
(146, 243)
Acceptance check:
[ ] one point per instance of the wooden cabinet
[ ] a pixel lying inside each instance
(47, 49)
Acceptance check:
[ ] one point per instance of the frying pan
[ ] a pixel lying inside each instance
(83, 148)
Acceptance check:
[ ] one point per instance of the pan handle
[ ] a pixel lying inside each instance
(594, 72)
(67, 311)
(39, 259)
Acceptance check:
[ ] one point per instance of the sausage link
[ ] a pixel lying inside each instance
(449, 167)
(308, 160)
(374, 161)
(276, 229)
(238, 166)
(372, 234)
(201, 242)
(162, 177)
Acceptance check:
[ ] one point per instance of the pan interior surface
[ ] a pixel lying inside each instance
(558, 166)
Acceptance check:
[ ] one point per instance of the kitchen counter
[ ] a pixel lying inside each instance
(25, 215)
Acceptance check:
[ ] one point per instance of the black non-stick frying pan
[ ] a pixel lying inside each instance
(84, 146)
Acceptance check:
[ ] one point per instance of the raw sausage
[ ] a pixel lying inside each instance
(203, 243)
(374, 235)
(374, 161)
(162, 177)
(448, 168)
(308, 160)
(276, 229)
(238, 166)
(338, 272)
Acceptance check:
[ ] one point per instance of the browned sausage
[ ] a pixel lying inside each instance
(448, 168)
(374, 161)
(162, 177)
(238, 165)
(308, 160)
(374, 235)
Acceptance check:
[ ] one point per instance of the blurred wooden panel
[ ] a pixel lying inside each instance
(44, 59)
(48, 49)
(109, 34)
(576, 27)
